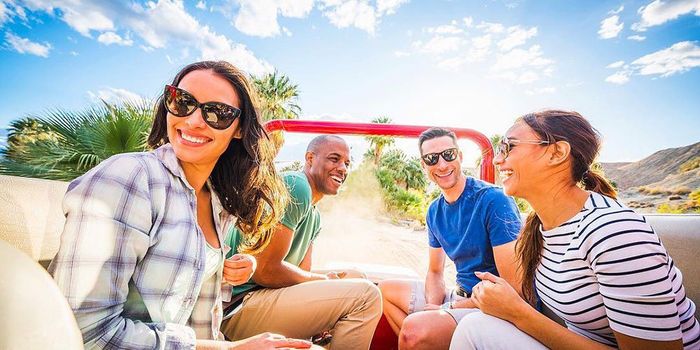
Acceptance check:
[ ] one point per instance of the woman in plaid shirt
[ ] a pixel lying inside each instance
(141, 254)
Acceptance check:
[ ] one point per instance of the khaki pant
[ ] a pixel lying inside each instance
(349, 308)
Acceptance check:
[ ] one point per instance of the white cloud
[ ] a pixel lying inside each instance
(109, 38)
(519, 58)
(4, 13)
(679, 58)
(636, 37)
(510, 62)
(24, 45)
(439, 45)
(399, 53)
(201, 5)
(389, 7)
(616, 64)
(659, 12)
(74, 53)
(619, 9)
(540, 91)
(610, 27)
(113, 95)
(259, 17)
(345, 13)
(451, 28)
(619, 78)
(516, 36)
(493, 28)
(158, 23)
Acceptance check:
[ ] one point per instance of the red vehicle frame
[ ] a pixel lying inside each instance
(384, 337)
(346, 128)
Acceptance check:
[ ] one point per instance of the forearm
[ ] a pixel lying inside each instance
(283, 274)
(552, 334)
(464, 304)
(434, 288)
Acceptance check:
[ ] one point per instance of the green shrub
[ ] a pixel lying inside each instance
(690, 165)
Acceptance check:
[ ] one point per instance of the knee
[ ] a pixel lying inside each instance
(413, 332)
(474, 330)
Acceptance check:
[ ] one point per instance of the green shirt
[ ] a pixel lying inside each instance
(300, 216)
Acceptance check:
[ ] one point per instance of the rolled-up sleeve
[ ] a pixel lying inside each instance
(106, 235)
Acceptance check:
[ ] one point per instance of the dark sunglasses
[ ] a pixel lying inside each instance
(181, 103)
(448, 155)
(505, 145)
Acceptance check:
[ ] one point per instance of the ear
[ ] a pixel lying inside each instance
(309, 158)
(560, 152)
(237, 133)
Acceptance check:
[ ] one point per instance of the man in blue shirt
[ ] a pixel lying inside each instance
(475, 225)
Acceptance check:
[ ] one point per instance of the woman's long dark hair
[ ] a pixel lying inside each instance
(244, 177)
(553, 126)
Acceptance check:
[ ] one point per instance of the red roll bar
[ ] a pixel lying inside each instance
(326, 127)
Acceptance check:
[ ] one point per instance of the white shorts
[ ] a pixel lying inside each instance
(417, 301)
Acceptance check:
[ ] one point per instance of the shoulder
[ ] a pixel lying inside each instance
(297, 185)
(124, 167)
(488, 193)
(606, 222)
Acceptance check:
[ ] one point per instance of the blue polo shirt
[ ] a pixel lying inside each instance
(481, 218)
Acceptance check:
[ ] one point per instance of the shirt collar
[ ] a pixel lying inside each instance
(166, 155)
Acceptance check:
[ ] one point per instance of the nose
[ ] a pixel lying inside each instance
(498, 159)
(343, 168)
(196, 119)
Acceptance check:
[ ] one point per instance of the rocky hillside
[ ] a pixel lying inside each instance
(651, 169)
(657, 179)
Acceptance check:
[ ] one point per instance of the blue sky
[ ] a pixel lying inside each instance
(630, 67)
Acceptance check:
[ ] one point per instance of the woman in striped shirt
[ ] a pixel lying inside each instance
(597, 264)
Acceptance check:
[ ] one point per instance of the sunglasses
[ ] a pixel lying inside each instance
(181, 103)
(448, 155)
(505, 145)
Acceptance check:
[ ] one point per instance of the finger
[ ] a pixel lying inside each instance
(291, 343)
(238, 264)
(488, 276)
(342, 274)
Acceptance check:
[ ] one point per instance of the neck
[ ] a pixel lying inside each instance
(316, 195)
(452, 194)
(556, 204)
(197, 175)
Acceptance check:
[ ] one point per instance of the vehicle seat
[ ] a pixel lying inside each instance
(35, 315)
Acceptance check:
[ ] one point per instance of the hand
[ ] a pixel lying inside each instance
(269, 341)
(495, 297)
(429, 307)
(332, 275)
(239, 268)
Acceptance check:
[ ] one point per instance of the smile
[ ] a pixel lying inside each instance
(193, 139)
(445, 175)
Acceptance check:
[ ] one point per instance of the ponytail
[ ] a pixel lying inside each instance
(528, 249)
(594, 181)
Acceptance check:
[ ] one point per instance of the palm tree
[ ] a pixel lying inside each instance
(405, 172)
(278, 97)
(63, 145)
(278, 100)
(378, 143)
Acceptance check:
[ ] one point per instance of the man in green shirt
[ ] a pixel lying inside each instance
(284, 296)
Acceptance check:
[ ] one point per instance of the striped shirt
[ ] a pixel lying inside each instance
(131, 259)
(605, 269)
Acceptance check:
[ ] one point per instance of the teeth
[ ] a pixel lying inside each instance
(192, 138)
(506, 173)
(448, 174)
(337, 179)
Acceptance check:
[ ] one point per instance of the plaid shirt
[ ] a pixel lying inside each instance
(131, 259)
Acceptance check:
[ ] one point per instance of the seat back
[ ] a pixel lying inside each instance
(31, 218)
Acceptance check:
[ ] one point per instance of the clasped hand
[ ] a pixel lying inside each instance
(495, 297)
(239, 268)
